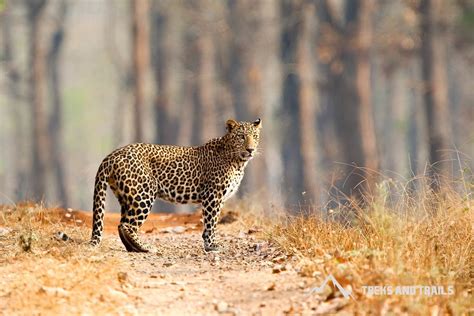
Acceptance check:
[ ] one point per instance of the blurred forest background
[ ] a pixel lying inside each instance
(348, 90)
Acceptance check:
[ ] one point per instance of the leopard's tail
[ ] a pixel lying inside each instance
(100, 190)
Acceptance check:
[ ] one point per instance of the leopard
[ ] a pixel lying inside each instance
(140, 173)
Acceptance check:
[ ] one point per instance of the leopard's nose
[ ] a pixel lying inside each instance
(250, 150)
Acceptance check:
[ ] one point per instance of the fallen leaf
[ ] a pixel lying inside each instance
(254, 230)
(278, 268)
(271, 287)
(122, 277)
(149, 231)
(279, 259)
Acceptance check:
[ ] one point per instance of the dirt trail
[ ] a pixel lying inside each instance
(248, 276)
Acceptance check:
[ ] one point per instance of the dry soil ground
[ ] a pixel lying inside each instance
(249, 276)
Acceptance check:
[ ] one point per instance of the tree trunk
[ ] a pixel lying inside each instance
(350, 95)
(293, 171)
(20, 161)
(308, 103)
(396, 122)
(236, 76)
(55, 120)
(167, 58)
(140, 49)
(270, 161)
(166, 49)
(253, 74)
(433, 58)
(243, 75)
(364, 91)
(205, 85)
(39, 129)
(123, 72)
(258, 40)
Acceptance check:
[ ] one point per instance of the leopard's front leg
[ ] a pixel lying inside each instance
(211, 211)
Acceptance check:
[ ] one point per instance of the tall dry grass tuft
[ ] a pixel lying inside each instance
(400, 237)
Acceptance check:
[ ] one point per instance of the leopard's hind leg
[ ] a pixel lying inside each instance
(133, 216)
(136, 203)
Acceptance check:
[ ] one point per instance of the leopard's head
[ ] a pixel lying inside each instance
(243, 138)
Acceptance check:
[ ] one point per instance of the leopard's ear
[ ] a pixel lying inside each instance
(231, 125)
(258, 123)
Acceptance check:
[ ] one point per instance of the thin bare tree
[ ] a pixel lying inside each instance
(236, 75)
(348, 41)
(122, 68)
(293, 171)
(308, 101)
(264, 75)
(253, 73)
(39, 136)
(206, 73)
(166, 48)
(433, 68)
(17, 99)
(56, 117)
(140, 52)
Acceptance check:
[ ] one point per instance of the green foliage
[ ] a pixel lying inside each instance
(2, 5)
(467, 19)
(466, 24)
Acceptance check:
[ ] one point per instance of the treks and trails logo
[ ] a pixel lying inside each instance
(408, 290)
(320, 289)
(388, 290)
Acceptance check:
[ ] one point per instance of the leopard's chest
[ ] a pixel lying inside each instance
(233, 186)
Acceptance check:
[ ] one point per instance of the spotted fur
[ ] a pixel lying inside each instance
(140, 173)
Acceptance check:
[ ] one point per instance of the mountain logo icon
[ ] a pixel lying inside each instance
(320, 289)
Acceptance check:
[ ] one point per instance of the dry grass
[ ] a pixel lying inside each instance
(42, 275)
(403, 240)
(398, 239)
